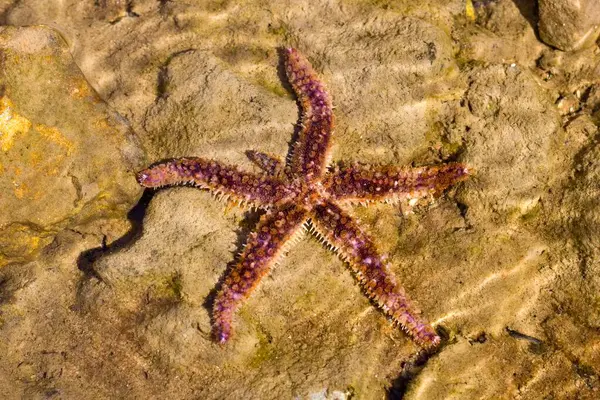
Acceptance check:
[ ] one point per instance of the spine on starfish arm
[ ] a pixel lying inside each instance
(356, 248)
(262, 250)
(268, 163)
(311, 151)
(390, 183)
(218, 178)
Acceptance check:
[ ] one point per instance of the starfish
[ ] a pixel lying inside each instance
(306, 193)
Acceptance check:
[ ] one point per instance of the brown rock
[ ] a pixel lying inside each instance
(569, 24)
(513, 128)
(66, 160)
(567, 104)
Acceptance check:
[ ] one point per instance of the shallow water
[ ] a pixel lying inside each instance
(504, 264)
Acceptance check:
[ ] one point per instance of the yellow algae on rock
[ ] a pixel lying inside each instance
(470, 10)
(11, 124)
(19, 242)
(55, 136)
(59, 169)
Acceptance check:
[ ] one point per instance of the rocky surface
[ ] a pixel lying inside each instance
(569, 24)
(506, 265)
(66, 157)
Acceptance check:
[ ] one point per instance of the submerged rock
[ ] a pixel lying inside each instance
(506, 265)
(66, 159)
(569, 24)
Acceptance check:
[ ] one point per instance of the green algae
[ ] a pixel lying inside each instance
(265, 350)
(165, 288)
(244, 54)
(275, 87)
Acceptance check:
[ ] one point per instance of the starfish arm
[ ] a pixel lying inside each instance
(311, 151)
(356, 248)
(259, 190)
(390, 183)
(268, 163)
(275, 230)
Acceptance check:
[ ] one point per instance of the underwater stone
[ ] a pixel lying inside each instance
(569, 24)
(65, 157)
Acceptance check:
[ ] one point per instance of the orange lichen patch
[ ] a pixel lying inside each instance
(19, 242)
(79, 88)
(104, 124)
(54, 135)
(48, 59)
(11, 124)
(21, 190)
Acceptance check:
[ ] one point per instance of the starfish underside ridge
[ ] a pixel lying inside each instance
(306, 194)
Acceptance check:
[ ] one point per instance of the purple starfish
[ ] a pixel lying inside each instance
(305, 194)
